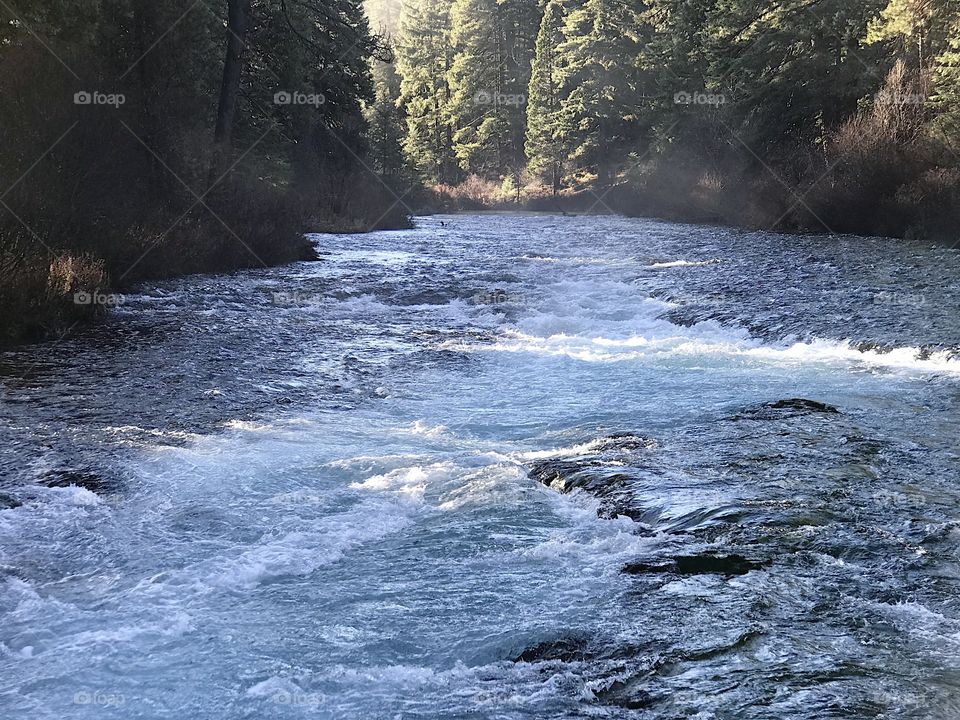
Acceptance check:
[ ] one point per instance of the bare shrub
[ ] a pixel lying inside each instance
(856, 185)
(474, 193)
(935, 198)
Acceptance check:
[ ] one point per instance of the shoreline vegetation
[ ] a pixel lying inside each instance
(831, 116)
(149, 140)
(146, 141)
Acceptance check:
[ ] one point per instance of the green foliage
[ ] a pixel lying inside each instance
(387, 123)
(793, 70)
(600, 83)
(475, 78)
(732, 103)
(946, 89)
(146, 188)
(918, 29)
(521, 24)
(489, 77)
(424, 57)
(544, 148)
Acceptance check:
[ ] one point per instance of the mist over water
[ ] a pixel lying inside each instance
(496, 467)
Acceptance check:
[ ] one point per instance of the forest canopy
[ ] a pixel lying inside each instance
(829, 115)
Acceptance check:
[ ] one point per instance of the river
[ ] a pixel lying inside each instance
(497, 466)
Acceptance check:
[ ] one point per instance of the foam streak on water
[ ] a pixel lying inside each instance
(500, 467)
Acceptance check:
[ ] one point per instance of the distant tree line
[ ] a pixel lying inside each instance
(798, 114)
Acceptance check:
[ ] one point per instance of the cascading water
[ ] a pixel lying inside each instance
(503, 467)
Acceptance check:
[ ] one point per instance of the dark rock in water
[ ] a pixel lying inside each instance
(564, 649)
(567, 476)
(739, 642)
(793, 407)
(866, 346)
(607, 473)
(634, 691)
(696, 565)
(8, 502)
(626, 695)
(804, 405)
(426, 297)
(91, 481)
(681, 317)
(626, 442)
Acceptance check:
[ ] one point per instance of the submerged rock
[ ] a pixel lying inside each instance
(792, 407)
(424, 297)
(563, 649)
(625, 442)
(607, 471)
(91, 481)
(8, 502)
(626, 694)
(804, 405)
(707, 564)
(567, 476)
(682, 317)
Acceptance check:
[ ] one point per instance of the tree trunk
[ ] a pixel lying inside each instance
(238, 24)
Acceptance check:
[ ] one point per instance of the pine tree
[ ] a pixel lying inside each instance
(386, 126)
(543, 148)
(489, 76)
(946, 88)
(908, 23)
(793, 72)
(290, 51)
(521, 24)
(476, 82)
(423, 61)
(679, 59)
(600, 84)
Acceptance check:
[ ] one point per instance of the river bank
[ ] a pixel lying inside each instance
(47, 288)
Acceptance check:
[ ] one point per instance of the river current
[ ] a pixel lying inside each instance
(497, 466)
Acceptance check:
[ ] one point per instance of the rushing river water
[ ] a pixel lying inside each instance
(496, 467)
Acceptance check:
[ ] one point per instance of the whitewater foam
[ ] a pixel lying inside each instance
(300, 553)
(682, 263)
(712, 339)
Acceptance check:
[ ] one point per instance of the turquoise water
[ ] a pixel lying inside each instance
(307, 491)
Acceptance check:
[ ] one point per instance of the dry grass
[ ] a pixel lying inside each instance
(474, 193)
